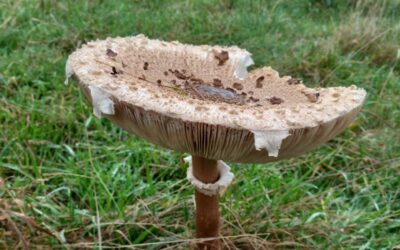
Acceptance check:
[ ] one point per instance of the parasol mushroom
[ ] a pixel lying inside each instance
(200, 100)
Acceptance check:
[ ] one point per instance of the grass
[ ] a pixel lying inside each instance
(69, 180)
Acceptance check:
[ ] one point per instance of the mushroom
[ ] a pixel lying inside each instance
(200, 100)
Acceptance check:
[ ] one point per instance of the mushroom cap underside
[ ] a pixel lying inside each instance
(198, 99)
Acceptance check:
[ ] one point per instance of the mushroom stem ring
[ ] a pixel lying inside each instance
(225, 177)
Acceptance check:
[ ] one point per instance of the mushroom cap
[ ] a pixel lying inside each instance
(200, 99)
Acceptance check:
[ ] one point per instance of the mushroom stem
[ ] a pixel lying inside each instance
(207, 207)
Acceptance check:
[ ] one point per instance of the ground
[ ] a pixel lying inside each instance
(70, 180)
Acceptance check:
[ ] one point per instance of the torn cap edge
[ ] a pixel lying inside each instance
(101, 101)
(270, 140)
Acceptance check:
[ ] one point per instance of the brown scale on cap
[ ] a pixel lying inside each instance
(259, 82)
(115, 71)
(275, 100)
(146, 66)
(293, 81)
(217, 82)
(222, 57)
(238, 86)
(311, 95)
(179, 75)
(252, 99)
(111, 53)
(196, 80)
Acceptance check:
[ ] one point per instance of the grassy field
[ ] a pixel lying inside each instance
(69, 180)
